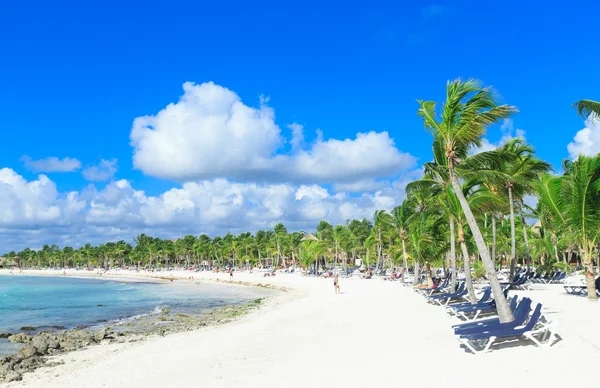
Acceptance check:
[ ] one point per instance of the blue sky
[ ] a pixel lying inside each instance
(75, 75)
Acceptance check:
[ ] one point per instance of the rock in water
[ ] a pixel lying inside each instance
(19, 338)
(29, 328)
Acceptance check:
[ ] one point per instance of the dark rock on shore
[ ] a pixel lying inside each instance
(36, 347)
(5, 335)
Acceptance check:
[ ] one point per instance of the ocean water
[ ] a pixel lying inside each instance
(52, 302)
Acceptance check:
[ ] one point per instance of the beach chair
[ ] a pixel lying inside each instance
(429, 291)
(521, 313)
(483, 299)
(481, 341)
(483, 310)
(445, 298)
(575, 289)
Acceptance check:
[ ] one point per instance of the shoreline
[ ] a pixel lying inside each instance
(40, 347)
(375, 333)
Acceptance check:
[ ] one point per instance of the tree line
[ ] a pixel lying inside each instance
(469, 210)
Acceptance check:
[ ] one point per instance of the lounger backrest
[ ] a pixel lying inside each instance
(486, 295)
(522, 310)
(537, 313)
(513, 303)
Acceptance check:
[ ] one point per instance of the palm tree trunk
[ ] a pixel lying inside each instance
(468, 280)
(416, 274)
(526, 240)
(428, 273)
(452, 255)
(504, 312)
(513, 249)
(494, 239)
(405, 259)
(589, 271)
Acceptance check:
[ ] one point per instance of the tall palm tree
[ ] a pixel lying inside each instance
(580, 198)
(520, 174)
(469, 109)
(550, 209)
(400, 220)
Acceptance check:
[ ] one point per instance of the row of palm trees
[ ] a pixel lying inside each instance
(469, 209)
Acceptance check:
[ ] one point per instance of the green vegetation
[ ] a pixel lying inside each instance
(473, 201)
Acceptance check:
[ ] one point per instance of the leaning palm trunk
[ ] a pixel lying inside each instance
(504, 312)
(494, 239)
(513, 253)
(452, 255)
(468, 280)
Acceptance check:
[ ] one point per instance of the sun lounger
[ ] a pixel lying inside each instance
(487, 338)
(521, 313)
(483, 310)
(444, 299)
(485, 298)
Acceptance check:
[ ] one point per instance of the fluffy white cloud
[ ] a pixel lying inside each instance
(34, 204)
(33, 213)
(209, 133)
(103, 171)
(51, 164)
(587, 141)
(508, 133)
(360, 186)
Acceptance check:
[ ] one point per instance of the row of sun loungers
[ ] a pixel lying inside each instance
(524, 281)
(578, 289)
(481, 328)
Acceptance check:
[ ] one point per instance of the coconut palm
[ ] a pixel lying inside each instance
(580, 198)
(400, 218)
(550, 210)
(520, 172)
(469, 109)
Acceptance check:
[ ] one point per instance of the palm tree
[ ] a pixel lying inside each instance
(400, 220)
(580, 198)
(520, 172)
(550, 209)
(468, 110)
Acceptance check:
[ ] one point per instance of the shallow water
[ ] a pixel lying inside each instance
(56, 302)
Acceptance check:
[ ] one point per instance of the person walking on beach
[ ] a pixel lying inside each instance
(230, 273)
(336, 284)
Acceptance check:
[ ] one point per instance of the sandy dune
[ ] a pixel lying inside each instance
(375, 334)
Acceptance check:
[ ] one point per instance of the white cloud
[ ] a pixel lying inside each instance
(586, 141)
(209, 133)
(360, 186)
(508, 133)
(34, 212)
(51, 164)
(297, 141)
(103, 171)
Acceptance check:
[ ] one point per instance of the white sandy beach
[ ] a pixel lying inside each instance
(375, 334)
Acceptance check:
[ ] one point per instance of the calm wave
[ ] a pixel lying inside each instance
(56, 302)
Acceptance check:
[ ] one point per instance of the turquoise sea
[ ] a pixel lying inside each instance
(55, 302)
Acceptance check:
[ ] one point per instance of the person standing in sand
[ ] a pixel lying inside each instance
(336, 284)
(231, 273)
